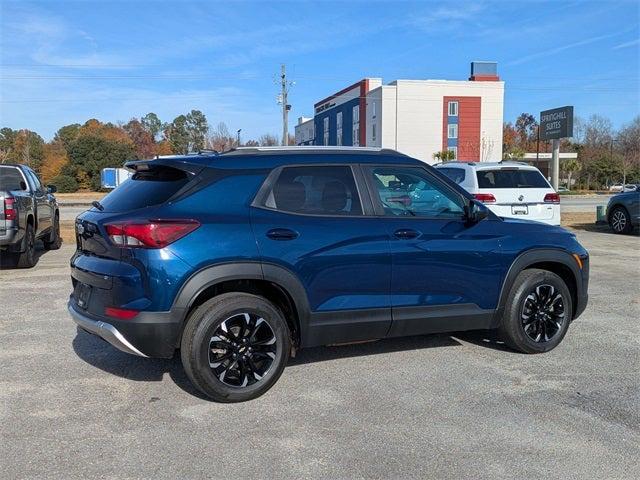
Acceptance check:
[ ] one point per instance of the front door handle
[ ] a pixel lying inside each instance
(406, 234)
(282, 234)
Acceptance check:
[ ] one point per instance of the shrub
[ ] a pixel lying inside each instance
(65, 183)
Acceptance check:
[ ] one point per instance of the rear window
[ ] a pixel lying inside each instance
(10, 179)
(511, 178)
(454, 174)
(145, 189)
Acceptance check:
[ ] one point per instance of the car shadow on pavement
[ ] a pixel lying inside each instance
(98, 353)
(7, 263)
(601, 228)
(374, 347)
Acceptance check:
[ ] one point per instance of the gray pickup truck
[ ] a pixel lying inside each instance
(28, 212)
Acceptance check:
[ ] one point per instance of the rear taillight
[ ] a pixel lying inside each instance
(485, 197)
(552, 198)
(153, 234)
(9, 209)
(120, 313)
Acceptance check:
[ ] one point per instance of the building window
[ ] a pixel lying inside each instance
(339, 129)
(373, 110)
(356, 125)
(455, 152)
(453, 109)
(373, 132)
(452, 130)
(326, 131)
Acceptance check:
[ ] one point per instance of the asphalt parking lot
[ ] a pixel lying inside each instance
(436, 406)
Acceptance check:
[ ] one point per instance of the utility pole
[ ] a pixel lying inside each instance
(555, 164)
(285, 105)
(238, 136)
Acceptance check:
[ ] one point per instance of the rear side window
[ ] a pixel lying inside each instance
(315, 190)
(145, 189)
(10, 179)
(511, 178)
(455, 174)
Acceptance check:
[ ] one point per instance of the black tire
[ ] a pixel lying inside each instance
(620, 220)
(55, 240)
(537, 313)
(214, 356)
(27, 259)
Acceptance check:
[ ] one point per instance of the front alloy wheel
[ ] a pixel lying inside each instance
(537, 312)
(543, 313)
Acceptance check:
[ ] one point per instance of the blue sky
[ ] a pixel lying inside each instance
(65, 62)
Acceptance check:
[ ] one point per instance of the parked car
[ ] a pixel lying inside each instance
(28, 212)
(623, 212)
(509, 189)
(240, 259)
(618, 187)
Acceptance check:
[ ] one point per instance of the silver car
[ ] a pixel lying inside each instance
(623, 212)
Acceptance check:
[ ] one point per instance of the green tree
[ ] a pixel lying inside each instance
(197, 128)
(152, 124)
(90, 153)
(569, 167)
(7, 137)
(67, 135)
(444, 156)
(178, 135)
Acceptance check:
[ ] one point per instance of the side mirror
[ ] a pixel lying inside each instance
(475, 211)
(52, 189)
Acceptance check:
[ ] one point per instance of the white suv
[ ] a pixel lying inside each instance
(509, 189)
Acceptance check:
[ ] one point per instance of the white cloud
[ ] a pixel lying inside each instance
(627, 44)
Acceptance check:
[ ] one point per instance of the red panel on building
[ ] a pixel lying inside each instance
(469, 109)
(364, 88)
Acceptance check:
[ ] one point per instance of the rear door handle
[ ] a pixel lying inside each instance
(406, 234)
(282, 234)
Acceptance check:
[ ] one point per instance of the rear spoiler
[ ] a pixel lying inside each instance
(191, 164)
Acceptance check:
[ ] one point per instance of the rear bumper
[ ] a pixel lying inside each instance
(106, 331)
(149, 334)
(9, 236)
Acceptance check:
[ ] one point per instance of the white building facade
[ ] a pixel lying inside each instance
(417, 117)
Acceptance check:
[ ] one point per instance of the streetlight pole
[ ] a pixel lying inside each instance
(238, 136)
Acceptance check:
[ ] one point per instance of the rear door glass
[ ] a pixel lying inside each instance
(145, 189)
(315, 190)
(511, 178)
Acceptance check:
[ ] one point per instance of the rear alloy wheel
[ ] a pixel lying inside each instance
(537, 313)
(235, 347)
(55, 240)
(619, 220)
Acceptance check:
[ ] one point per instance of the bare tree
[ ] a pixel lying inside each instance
(221, 139)
(628, 143)
(268, 140)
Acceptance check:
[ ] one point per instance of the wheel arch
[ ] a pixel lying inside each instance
(273, 282)
(560, 262)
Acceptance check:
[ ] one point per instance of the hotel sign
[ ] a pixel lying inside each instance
(556, 123)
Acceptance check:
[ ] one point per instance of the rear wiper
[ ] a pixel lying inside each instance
(97, 205)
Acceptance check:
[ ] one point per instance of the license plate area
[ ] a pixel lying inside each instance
(82, 292)
(519, 210)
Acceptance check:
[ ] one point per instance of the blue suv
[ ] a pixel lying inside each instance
(238, 259)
